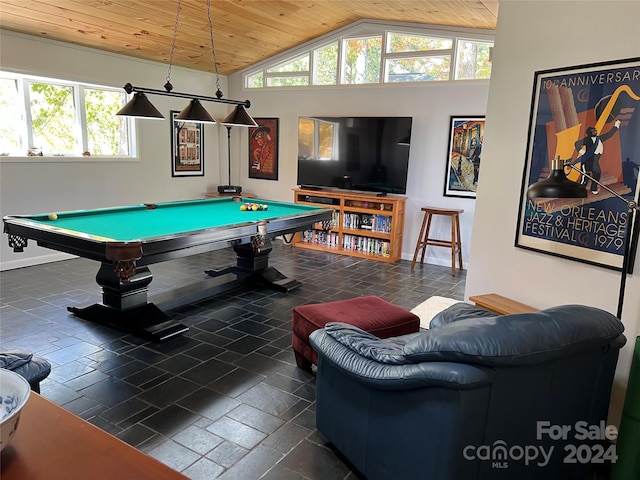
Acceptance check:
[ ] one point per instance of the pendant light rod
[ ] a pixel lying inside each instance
(153, 91)
(631, 205)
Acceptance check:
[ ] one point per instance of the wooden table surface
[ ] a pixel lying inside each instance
(52, 443)
(502, 305)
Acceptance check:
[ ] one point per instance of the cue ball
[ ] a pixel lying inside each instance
(53, 216)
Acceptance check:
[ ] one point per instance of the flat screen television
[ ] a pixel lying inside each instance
(369, 154)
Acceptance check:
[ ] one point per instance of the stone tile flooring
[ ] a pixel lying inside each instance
(225, 400)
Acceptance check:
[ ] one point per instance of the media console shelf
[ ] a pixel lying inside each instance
(364, 225)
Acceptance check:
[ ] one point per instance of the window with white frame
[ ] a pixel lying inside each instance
(391, 56)
(50, 117)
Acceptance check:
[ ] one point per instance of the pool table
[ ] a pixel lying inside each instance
(127, 239)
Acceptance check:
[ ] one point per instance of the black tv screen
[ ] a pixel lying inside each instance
(368, 154)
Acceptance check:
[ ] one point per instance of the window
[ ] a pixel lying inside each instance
(389, 56)
(325, 64)
(41, 116)
(361, 60)
(417, 58)
(473, 60)
(292, 73)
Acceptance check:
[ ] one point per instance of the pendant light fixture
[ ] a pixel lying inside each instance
(557, 185)
(140, 106)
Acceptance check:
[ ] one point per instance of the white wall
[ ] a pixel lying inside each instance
(430, 106)
(41, 185)
(532, 36)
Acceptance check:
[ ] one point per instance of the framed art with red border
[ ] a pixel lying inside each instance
(263, 149)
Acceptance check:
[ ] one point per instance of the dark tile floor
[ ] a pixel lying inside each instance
(225, 400)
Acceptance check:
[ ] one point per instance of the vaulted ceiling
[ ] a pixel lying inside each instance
(245, 32)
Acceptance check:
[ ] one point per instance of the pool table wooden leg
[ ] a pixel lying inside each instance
(125, 307)
(256, 264)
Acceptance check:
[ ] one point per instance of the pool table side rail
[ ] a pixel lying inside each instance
(156, 249)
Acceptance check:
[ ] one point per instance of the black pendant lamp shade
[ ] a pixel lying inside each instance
(140, 107)
(557, 185)
(239, 118)
(195, 112)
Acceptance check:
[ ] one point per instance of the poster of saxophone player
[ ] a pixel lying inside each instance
(587, 116)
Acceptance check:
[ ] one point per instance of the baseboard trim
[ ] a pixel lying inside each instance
(33, 261)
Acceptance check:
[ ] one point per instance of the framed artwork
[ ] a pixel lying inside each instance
(263, 149)
(187, 148)
(463, 157)
(585, 115)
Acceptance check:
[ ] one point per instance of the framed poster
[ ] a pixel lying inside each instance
(263, 149)
(585, 115)
(187, 148)
(463, 157)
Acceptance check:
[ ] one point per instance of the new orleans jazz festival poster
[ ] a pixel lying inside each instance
(588, 115)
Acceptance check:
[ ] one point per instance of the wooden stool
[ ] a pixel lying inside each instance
(455, 244)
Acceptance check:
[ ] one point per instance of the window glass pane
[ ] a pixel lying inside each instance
(300, 64)
(326, 65)
(107, 133)
(287, 81)
(398, 43)
(362, 60)
(473, 60)
(256, 80)
(52, 118)
(421, 69)
(11, 118)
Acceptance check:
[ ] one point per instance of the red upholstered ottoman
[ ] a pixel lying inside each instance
(372, 314)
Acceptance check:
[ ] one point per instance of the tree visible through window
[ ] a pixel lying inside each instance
(107, 134)
(52, 118)
(58, 118)
(473, 60)
(362, 60)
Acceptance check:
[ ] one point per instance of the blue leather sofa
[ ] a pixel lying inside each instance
(476, 396)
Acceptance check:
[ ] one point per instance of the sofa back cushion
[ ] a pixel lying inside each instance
(518, 339)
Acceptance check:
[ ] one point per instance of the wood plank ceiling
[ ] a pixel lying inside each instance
(245, 32)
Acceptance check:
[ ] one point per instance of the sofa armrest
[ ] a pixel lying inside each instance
(408, 376)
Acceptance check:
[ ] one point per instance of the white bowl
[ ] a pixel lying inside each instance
(14, 393)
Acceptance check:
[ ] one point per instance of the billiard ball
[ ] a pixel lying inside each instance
(243, 208)
(53, 216)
